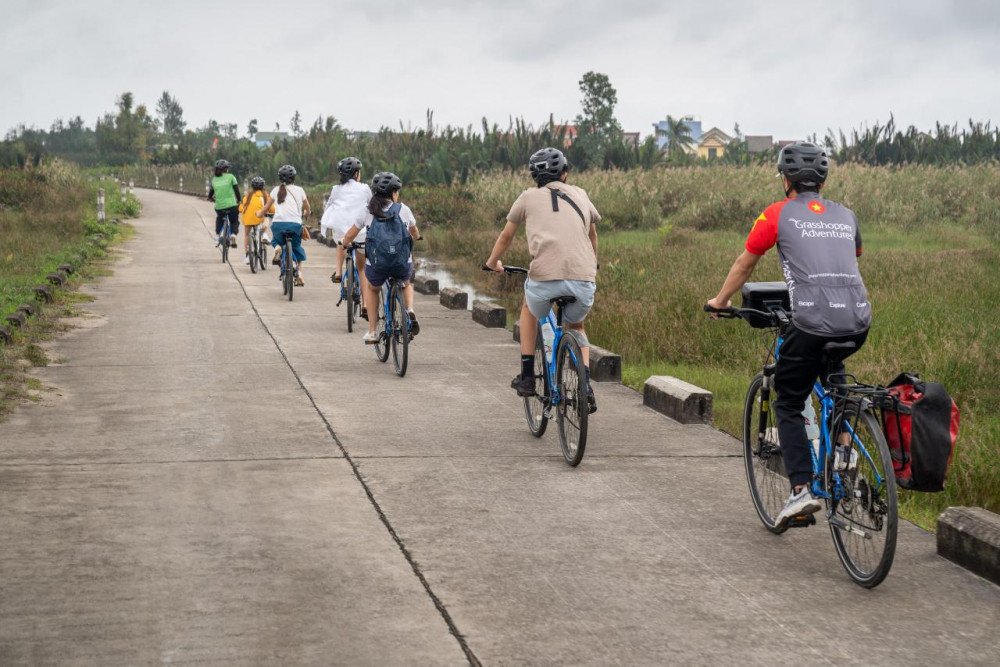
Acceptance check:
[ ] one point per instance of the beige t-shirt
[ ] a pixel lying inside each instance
(558, 241)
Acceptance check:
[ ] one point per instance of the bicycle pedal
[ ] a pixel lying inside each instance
(802, 521)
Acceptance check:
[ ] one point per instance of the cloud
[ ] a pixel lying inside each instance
(782, 68)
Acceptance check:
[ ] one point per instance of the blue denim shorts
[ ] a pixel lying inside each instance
(294, 231)
(377, 278)
(539, 295)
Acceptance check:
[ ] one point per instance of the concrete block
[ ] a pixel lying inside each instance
(454, 298)
(330, 243)
(29, 309)
(605, 366)
(489, 314)
(17, 319)
(56, 278)
(43, 293)
(517, 332)
(68, 268)
(970, 536)
(5, 335)
(425, 285)
(678, 399)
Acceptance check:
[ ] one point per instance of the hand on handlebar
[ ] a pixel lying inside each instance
(498, 267)
(715, 308)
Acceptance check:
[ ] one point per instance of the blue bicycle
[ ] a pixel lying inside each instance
(852, 466)
(560, 381)
(287, 271)
(350, 285)
(392, 325)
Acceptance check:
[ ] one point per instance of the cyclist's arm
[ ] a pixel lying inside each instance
(306, 209)
(211, 193)
(414, 232)
(351, 234)
(236, 191)
(503, 242)
(267, 207)
(738, 275)
(593, 238)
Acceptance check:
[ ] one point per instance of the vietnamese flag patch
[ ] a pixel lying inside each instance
(817, 207)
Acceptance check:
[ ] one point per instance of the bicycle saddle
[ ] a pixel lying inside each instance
(836, 348)
(563, 300)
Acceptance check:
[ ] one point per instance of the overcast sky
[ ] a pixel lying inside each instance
(781, 68)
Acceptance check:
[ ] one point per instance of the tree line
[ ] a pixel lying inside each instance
(131, 135)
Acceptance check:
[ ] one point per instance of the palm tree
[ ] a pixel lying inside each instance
(678, 136)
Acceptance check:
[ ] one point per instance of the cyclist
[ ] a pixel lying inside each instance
(560, 223)
(253, 202)
(818, 244)
(347, 205)
(290, 206)
(384, 204)
(225, 192)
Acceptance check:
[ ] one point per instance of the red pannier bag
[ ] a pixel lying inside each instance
(920, 421)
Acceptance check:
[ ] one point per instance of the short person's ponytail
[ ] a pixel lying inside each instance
(282, 193)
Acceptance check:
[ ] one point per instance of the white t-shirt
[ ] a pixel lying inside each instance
(405, 214)
(347, 205)
(291, 209)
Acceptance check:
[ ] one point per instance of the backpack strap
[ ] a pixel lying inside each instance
(558, 194)
(392, 212)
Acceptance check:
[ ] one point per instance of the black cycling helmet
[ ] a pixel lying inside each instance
(385, 183)
(286, 174)
(257, 183)
(348, 166)
(804, 163)
(222, 164)
(547, 165)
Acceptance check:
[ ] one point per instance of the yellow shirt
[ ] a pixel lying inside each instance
(253, 201)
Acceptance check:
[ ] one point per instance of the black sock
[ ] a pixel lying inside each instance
(587, 368)
(527, 365)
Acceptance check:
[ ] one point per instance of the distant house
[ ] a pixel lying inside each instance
(569, 134)
(631, 139)
(694, 126)
(263, 139)
(713, 144)
(356, 135)
(759, 143)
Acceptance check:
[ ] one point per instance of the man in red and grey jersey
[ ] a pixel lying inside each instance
(818, 244)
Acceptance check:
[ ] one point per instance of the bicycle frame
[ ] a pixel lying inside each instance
(386, 304)
(357, 277)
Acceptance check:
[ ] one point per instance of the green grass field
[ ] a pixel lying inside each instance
(931, 262)
(46, 216)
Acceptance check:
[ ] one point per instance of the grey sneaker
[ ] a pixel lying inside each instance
(799, 504)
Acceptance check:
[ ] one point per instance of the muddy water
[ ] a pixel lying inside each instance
(428, 268)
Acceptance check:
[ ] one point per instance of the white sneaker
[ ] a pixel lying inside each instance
(246, 258)
(218, 240)
(266, 238)
(371, 338)
(798, 504)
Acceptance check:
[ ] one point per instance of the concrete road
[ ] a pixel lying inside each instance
(222, 476)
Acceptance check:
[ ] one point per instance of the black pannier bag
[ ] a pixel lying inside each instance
(920, 421)
(762, 296)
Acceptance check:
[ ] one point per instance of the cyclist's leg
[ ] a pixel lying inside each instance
(359, 264)
(220, 219)
(798, 367)
(246, 239)
(408, 300)
(233, 213)
(859, 341)
(575, 313)
(338, 268)
(373, 284)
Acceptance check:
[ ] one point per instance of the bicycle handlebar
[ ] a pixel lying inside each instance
(775, 316)
(507, 269)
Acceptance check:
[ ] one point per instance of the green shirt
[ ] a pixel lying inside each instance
(225, 195)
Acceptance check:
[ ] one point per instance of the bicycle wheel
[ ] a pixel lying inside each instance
(348, 287)
(289, 270)
(252, 248)
(400, 336)
(762, 454)
(262, 256)
(225, 243)
(572, 410)
(382, 340)
(534, 406)
(864, 520)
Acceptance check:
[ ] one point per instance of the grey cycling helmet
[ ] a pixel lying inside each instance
(286, 174)
(222, 164)
(804, 163)
(385, 183)
(348, 166)
(257, 183)
(547, 165)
